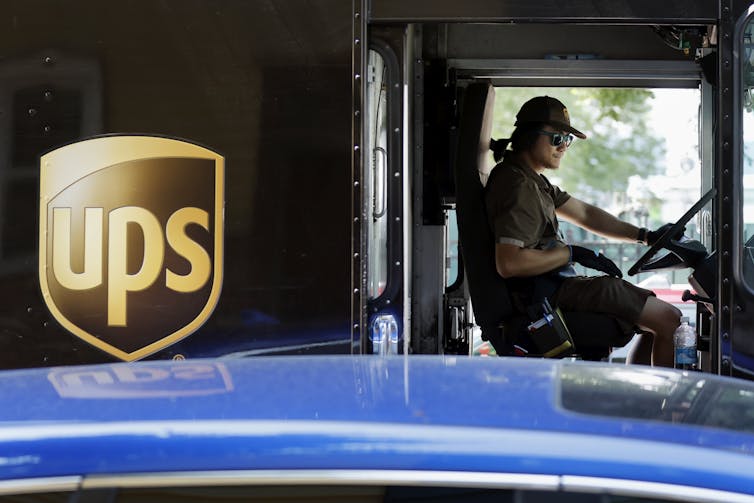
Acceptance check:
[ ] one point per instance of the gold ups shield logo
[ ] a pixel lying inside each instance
(131, 240)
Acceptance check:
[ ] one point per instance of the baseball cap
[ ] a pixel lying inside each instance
(548, 110)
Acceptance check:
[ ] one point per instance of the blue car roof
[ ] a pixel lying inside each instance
(447, 414)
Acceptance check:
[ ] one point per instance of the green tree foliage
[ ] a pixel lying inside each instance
(619, 143)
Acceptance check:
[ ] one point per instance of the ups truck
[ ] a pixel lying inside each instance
(185, 179)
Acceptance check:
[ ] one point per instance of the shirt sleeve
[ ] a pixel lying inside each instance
(559, 197)
(513, 211)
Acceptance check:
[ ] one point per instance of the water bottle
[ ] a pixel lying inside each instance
(684, 339)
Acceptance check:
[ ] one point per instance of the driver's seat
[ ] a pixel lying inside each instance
(490, 298)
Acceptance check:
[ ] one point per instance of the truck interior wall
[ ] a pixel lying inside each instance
(538, 41)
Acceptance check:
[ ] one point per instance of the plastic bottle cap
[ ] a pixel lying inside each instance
(684, 319)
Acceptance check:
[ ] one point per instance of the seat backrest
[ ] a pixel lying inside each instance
(489, 294)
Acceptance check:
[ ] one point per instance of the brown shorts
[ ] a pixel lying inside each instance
(603, 294)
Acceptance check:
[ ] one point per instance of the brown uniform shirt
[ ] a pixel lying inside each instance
(521, 211)
(521, 206)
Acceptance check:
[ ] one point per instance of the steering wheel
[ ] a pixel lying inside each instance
(677, 227)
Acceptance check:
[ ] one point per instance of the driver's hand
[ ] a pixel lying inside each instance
(593, 260)
(653, 236)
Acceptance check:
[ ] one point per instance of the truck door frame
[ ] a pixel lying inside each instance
(732, 298)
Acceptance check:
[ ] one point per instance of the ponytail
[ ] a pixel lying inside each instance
(499, 147)
(522, 138)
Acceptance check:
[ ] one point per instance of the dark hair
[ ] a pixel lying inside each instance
(522, 138)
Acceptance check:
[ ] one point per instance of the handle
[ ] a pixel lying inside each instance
(379, 210)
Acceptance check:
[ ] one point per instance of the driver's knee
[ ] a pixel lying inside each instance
(660, 317)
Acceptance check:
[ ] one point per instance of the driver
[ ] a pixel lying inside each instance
(523, 209)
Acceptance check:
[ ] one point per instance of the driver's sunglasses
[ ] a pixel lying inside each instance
(557, 139)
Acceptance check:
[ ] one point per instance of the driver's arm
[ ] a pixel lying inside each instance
(596, 220)
(513, 261)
